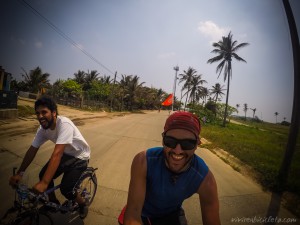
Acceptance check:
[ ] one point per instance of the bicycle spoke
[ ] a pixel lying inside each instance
(87, 188)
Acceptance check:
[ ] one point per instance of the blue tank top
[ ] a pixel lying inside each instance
(166, 191)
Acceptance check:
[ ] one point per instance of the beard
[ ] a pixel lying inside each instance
(177, 167)
(45, 123)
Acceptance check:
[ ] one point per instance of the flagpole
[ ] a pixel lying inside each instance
(176, 68)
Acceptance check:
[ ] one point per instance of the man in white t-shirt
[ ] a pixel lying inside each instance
(70, 155)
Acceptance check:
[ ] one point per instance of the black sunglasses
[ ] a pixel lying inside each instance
(186, 144)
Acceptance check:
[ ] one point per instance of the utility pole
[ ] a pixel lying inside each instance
(176, 68)
(112, 93)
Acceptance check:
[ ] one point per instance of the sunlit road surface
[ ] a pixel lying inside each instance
(114, 142)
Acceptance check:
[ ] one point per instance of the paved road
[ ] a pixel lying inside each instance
(114, 143)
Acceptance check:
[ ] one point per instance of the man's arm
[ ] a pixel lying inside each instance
(51, 169)
(209, 201)
(137, 190)
(29, 156)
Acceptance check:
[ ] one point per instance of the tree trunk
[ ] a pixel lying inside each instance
(227, 95)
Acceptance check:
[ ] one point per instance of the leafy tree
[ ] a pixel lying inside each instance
(57, 90)
(221, 109)
(36, 81)
(72, 88)
(226, 50)
(212, 106)
(99, 91)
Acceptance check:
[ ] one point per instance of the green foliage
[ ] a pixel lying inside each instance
(99, 91)
(72, 88)
(205, 115)
(259, 145)
(221, 110)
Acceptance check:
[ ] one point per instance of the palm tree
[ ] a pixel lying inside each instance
(237, 108)
(276, 114)
(105, 79)
(80, 77)
(123, 85)
(245, 110)
(89, 78)
(36, 80)
(226, 50)
(186, 77)
(204, 93)
(217, 91)
(133, 88)
(196, 88)
(254, 110)
(158, 97)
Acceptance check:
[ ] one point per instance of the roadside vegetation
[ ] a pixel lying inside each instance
(261, 146)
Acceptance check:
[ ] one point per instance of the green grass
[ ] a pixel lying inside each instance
(261, 146)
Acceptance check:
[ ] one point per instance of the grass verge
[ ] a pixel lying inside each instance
(260, 146)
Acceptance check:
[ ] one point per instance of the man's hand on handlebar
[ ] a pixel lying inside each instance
(40, 187)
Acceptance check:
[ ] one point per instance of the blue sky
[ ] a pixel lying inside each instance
(149, 38)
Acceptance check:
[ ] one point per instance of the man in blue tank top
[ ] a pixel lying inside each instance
(163, 177)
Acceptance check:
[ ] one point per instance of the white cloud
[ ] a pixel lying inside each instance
(38, 44)
(212, 30)
(166, 55)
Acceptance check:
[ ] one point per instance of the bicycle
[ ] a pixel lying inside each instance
(28, 206)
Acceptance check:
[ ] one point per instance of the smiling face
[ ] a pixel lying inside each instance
(176, 158)
(46, 118)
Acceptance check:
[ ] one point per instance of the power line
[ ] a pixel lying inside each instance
(61, 33)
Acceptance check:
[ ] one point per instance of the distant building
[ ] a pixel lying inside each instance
(8, 98)
(5, 79)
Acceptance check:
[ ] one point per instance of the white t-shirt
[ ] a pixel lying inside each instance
(67, 133)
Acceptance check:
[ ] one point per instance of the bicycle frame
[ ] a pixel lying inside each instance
(31, 205)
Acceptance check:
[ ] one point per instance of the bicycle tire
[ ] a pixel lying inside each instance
(87, 186)
(33, 218)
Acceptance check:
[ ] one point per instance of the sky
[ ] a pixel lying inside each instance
(150, 38)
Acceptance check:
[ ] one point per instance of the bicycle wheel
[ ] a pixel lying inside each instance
(33, 218)
(87, 186)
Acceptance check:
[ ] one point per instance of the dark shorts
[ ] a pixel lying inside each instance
(71, 168)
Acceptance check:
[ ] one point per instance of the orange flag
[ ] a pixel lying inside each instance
(168, 101)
